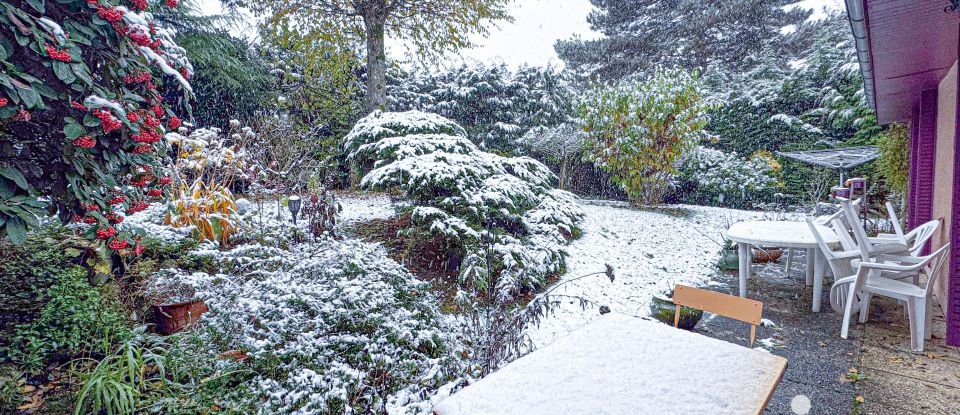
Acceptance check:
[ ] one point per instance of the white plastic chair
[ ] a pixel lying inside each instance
(841, 262)
(897, 229)
(868, 282)
(869, 248)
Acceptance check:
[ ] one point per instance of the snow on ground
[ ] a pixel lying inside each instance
(648, 250)
(362, 207)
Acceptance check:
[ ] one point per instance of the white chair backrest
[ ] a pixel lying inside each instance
(920, 235)
(843, 232)
(895, 221)
(934, 264)
(859, 233)
(840, 266)
(824, 248)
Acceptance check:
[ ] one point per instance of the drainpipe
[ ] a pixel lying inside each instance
(858, 24)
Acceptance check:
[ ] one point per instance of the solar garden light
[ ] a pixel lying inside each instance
(293, 203)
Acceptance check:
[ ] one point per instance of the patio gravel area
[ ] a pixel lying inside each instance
(894, 380)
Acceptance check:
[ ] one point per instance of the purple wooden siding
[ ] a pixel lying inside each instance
(926, 158)
(911, 189)
(953, 282)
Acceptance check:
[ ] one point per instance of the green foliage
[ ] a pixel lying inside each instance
(640, 35)
(80, 110)
(118, 383)
(75, 320)
(26, 272)
(637, 130)
(494, 104)
(329, 33)
(10, 393)
(894, 162)
(231, 80)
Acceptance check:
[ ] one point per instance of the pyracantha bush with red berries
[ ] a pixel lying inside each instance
(87, 90)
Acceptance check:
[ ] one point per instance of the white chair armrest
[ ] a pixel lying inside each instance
(846, 254)
(889, 248)
(899, 258)
(886, 266)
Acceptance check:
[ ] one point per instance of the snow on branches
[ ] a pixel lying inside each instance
(499, 216)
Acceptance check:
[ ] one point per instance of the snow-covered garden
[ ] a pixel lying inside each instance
(196, 222)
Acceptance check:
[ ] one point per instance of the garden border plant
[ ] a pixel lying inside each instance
(81, 113)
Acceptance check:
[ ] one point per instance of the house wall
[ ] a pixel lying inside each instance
(944, 178)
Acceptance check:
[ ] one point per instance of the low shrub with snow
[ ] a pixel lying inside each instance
(707, 173)
(499, 216)
(327, 327)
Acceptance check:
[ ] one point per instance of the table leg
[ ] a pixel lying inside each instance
(745, 257)
(818, 271)
(811, 262)
(786, 268)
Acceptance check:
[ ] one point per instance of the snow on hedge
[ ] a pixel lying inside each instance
(379, 125)
(327, 327)
(727, 172)
(463, 193)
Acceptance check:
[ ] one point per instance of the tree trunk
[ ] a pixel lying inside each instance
(374, 20)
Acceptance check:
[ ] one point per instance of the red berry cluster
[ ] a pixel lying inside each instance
(118, 244)
(138, 249)
(165, 180)
(139, 5)
(151, 122)
(110, 14)
(174, 122)
(142, 181)
(158, 110)
(3, 102)
(137, 77)
(137, 207)
(106, 233)
(85, 142)
(171, 3)
(143, 148)
(22, 116)
(140, 38)
(89, 220)
(146, 137)
(117, 199)
(133, 116)
(57, 54)
(92, 207)
(154, 192)
(114, 218)
(107, 120)
(78, 106)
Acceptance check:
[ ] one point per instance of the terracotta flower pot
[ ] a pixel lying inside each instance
(172, 318)
(766, 255)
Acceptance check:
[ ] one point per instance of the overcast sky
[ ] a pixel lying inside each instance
(537, 25)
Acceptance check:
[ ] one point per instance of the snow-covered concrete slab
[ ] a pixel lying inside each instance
(625, 365)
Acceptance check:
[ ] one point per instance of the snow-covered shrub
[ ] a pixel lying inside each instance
(209, 163)
(327, 327)
(638, 129)
(706, 174)
(472, 199)
(561, 145)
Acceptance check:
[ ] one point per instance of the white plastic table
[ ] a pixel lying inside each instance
(783, 234)
(625, 365)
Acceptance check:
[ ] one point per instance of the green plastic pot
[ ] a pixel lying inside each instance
(731, 259)
(662, 308)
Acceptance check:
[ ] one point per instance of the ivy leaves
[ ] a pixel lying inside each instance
(18, 210)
